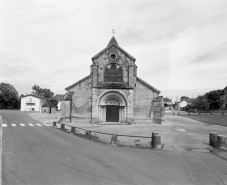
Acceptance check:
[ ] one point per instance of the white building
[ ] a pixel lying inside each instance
(59, 98)
(32, 103)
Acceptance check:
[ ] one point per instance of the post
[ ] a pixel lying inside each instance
(178, 113)
(188, 113)
(54, 124)
(63, 126)
(221, 141)
(72, 129)
(213, 139)
(222, 113)
(88, 134)
(156, 140)
(114, 139)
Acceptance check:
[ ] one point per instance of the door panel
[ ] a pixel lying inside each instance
(112, 113)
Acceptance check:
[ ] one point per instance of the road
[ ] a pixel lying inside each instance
(43, 155)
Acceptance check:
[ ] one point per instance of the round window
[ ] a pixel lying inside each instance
(113, 56)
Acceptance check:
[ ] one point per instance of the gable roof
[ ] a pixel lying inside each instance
(39, 97)
(148, 85)
(225, 88)
(48, 104)
(113, 42)
(167, 100)
(58, 97)
(73, 85)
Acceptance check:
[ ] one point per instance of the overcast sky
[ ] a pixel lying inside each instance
(180, 46)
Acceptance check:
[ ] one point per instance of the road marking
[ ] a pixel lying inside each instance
(13, 125)
(46, 125)
(23, 125)
(38, 125)
(4, 125)
(31, 125)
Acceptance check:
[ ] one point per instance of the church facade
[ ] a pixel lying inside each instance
(112, 92)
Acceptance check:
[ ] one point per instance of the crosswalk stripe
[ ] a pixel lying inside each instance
(46, 125)
(31, 125)
(4, 125)
(38, 125)
(23, 125)
(13, 125)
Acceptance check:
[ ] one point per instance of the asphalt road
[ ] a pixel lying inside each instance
(42, 155)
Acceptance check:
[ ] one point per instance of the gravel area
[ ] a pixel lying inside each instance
(177, 132)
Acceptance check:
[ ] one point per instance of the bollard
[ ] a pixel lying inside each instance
(54, 124)
(88, 134)
(72, 129)
(173, 113)
(210, 113)
(178, 113)
(213, 139)
(189, 113)
(156, 141)
(114, 139)
(222, 113)
(63, 126)
(199, 113)
(221, 141)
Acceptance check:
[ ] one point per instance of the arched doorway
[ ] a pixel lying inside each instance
(112, 107)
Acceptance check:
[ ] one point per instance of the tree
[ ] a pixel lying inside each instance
(183, 98)
(213, 98)
(8, 96)
(42, 92)
(200, 103)
(55, 102)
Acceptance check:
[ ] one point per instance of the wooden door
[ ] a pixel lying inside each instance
(112, 113)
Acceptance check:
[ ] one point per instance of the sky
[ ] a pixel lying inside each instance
(180, 46)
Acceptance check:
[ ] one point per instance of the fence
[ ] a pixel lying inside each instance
(153, 141)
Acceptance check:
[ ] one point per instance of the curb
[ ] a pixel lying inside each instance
(1, 150)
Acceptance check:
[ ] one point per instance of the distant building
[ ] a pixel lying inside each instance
(185, 103)
(59, 98)
(168, 102)
(223, 98)
(48, 107)
(32, 103)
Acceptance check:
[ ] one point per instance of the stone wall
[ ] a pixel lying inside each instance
(81, 99)
(143, 103)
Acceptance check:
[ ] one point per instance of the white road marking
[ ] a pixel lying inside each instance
(13, 125)
(23, 125)
(38, 124)
(46, 125)
(4, 125)
(31, 125)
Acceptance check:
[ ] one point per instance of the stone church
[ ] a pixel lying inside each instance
(112, 92)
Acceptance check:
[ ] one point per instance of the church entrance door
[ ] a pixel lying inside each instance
(112, 113)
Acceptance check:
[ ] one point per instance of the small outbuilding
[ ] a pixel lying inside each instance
(48, 107)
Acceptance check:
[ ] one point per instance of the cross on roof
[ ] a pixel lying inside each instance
(113, 32)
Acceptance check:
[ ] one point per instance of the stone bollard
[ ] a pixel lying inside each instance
(213, 139)
(73, 129)
(88, 134)
(221, 141)
(178, 113)
(114, 139)
(54, 124)
(210, 113)
(63, 126)
(156, 140)
(173, 113)
(222, 113)
(189, 113)
(199, 113)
